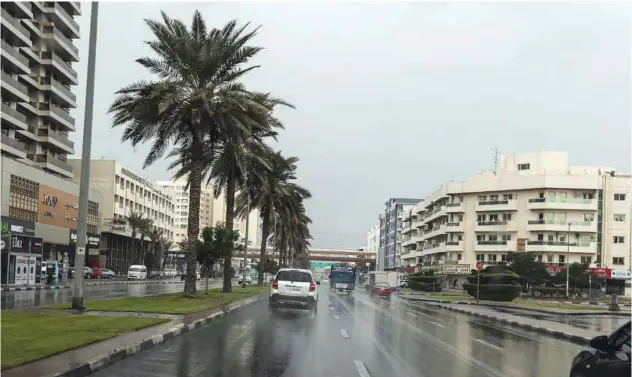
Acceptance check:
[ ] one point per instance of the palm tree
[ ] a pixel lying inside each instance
(136, 221)
(155, 237)
(145, 228)
(195, 100)
(272, 190)
(165, 245)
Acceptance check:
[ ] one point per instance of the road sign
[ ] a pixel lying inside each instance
(479, 265)
(81, 250)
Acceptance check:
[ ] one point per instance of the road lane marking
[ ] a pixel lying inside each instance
(336, 316)
(411, 313)
(437, 324)
(361, 368)
(488, 344)
(344, 333)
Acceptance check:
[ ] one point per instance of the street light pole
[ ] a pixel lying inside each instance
(84, 186)
(568, 256)
(243, 281)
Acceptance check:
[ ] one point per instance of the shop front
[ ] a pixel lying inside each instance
(93, 249)
(21, 253)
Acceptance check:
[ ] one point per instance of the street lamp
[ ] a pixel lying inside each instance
(568, 255)
(243, 281)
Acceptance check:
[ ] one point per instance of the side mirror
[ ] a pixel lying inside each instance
(599, 343)
(318, 282)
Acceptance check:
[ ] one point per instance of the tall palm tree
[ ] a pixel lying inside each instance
(273, 191)
(155, 245)
(165, 245)
(194, 100)
(136, 221)
(145, 228)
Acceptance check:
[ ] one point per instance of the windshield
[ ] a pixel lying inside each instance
(134, 269)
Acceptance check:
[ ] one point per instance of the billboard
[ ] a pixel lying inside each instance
(320, 265)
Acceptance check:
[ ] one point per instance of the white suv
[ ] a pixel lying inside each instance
(294, 288)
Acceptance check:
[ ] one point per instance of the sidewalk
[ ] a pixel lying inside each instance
(558, 330)
(86, 360)
(9, 288)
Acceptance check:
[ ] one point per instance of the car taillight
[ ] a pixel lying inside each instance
(312, 287)
(275, 284)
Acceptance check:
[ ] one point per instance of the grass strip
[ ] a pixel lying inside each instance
(29, 336)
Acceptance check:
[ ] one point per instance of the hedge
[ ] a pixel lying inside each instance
(424, 283)
(494, 292)
(553, 291)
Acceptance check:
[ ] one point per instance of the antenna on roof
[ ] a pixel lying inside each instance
(495, 160)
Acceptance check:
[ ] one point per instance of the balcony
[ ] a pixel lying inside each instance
(12, 147)
(496, 226)
(61, 18)
(434, 214)
(559, 226)
(561, 247)
(58, 139)
(562, 204)
(12, 55)
(454, 246)
(434, 232)
(492, 246)
(61, 91)
(54, 164)
(434, 248)
(454, 207)
(13, 117)
(456, 227)
(15, 27)
(497, 205)
(64, 46)
(18, 91)
(58, 114)
(63, 68)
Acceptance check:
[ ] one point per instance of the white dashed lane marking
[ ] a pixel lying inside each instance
(488, 344)
(344, 333)
(437, 324)
(361, 368)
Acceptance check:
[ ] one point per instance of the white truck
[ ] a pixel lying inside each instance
(392, 278)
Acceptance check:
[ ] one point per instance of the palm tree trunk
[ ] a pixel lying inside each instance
(230, 218)
(265, 233)
(193, 231)
(133, 246)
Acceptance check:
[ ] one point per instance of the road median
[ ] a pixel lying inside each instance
(112, 346)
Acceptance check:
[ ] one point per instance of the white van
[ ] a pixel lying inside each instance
(137, 272)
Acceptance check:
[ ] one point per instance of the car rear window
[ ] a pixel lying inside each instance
(297, 276)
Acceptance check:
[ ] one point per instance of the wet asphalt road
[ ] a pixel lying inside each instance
(22, 299)
(351, 334)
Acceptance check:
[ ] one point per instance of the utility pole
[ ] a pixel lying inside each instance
(243, 281)
(84, 186)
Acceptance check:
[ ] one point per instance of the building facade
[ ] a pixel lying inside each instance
(372, 244)
(124, 192)
(389, 252)
(212, 211)
(533, 202)
(39, 221)
(37, 75)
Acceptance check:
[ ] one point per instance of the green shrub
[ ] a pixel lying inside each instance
(553, 291)
(494, 292)
(424, 283)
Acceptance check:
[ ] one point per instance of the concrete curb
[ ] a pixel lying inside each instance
(91, 366)
(17, 289)
(625, 312)
(580, 340)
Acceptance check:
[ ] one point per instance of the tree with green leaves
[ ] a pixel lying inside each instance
(195, 103)
(217, 242)
(136, 221)
(165, 245)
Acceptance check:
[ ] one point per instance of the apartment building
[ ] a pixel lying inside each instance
(123, 192)
(389, 251)
(212, 211)
(37, 75)
(533, 202)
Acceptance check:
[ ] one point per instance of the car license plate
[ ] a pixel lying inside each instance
(341, 285)
(293, 289)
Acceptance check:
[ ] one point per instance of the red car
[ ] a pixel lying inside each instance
(382, 290)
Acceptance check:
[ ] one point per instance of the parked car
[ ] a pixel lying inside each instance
(184, 275)
(382, 290)
(107, 274)
(293, 288)
(609, 355)
(248, 280)
(137, 272)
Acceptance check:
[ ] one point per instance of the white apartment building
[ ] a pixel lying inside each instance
(533, 202)
(212, 211)
(123, 192)
(373, 243)
(37, 56)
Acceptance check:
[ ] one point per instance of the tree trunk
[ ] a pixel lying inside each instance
(133, 246)
(230, 218)
(193, 231)
(265, 233)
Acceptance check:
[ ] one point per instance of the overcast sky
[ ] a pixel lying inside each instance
(394, 99)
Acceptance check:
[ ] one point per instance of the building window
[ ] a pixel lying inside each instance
(619, 217)
(618, 260)
(480, 257)
(586, 260)
(618, 239)
(506, 237)
(526, 166)
(549, 258)
(561, 259)
(506, 216)
(619, 197)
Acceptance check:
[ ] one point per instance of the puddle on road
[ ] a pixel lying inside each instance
(602, 323)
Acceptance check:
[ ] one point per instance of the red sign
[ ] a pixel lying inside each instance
(603, 272)
(479, 265)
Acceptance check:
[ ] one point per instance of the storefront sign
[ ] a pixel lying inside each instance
(620, 275)
(117, 225)
(57, 207)
(16, 226)
(93, 240)
(456, 269)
